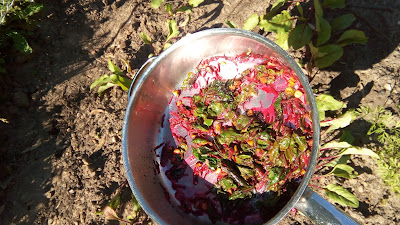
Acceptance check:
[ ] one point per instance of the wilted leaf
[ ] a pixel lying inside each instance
(300, 36)
(343, 170)
(327, 102)
(230, 23)
(251, 22)
(155, 4)
(343, 22)
(101, 81)
(327, 55)
(318, 9)
(341, 195)
(173, 29)
(334, 4)
(145, 38)
(323, 29)
(352, 37)
(342, 121)
(359, 151)
(195, 3)
(20, 43)
(110, 214)
(186, 21)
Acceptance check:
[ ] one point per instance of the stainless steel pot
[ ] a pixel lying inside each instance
(146, 124)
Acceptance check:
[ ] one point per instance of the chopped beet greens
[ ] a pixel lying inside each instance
(242, 125)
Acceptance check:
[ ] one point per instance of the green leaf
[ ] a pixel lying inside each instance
(173, 29)
(343, 170)
(155, 4)
(145, 38)
(230, 23)
(275, 8)
(327, 55)
(101, 81)
(359, 151)
(135, 204)
(342, 121)
(104, 87)
(340, 160)
(31, 9)
(336, 145)
(281, 24)
(327, 102)
(340, 195)
(343, 22)
(300, 36)
(168, 9)
(114, 203)
(352, 37)
(347, 136)
(334, 4)
(251, 22)
(300, 9)
(185, 9)
(20, 42)
(318, 9)
(186, 21)
(112, 67)
(123, 82)
(323, 29)
(195, 3)
(167, 45)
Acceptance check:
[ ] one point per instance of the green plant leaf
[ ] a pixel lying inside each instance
(324, 30)
(186, 21)
(112, 67)
(352, 37)
(155, 4)
(123, 82)
(327, 102)
(343, 22)
(340, 160)
(114, 203)
(336, 145)
(168, 9)
(145, 38)
(340, 195)
(195, 3)
(327, 55)
(334, 4)
(31, 9)
(281, 24)
(251, 22)
(135, 204)
(318, 9)
(300, 36)
(230, 23)
(173, 29)
(347, 136)
(185, 9)
(300, 9)
(275, 8)
(19, 42)
(101, 81)
(343, 170)
(110, 214)
(340, 122)
(359, 151)
(104, 87)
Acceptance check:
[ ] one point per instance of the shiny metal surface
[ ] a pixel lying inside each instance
(143, 129)
(321, 211)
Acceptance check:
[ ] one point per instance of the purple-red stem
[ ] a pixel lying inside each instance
(310, 185)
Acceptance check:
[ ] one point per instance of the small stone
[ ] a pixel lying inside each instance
(360, 189)
(388, 87)
(71, 191)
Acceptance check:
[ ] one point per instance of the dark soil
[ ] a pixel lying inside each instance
(60, 153)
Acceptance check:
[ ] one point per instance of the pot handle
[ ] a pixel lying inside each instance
(321, 211)
(139, 73)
